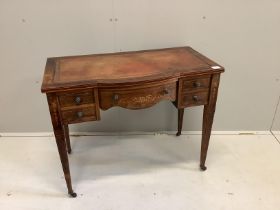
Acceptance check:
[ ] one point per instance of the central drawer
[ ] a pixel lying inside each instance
(138, 97)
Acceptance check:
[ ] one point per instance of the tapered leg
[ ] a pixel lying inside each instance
(208, 116)
(67, 138)
(60, 141)
(180, 121)
(61, 145)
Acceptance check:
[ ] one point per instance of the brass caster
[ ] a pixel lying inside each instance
(203, 168)
(73, 194)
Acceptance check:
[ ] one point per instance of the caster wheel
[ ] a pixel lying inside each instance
(178, 134)
(203, 168)
(73, 194)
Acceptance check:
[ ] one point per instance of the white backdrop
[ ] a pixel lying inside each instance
(243, 36)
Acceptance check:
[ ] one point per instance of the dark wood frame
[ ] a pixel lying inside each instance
(132, 94)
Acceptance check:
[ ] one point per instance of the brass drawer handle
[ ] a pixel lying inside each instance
(80, 114)
(115, 97)
(197, 84)
(196, 98)
(78, 100)
(165, 91)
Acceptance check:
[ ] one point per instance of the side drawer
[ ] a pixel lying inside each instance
(76, 98)
(195, 84)
(81, 114)
(194, 98)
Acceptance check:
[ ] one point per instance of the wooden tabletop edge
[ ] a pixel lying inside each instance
(48, 84)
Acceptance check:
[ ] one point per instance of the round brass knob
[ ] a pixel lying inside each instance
(78, 100)
(197, 84)
(80, 114)
(116, 97)
(196, 98)
(165, 91)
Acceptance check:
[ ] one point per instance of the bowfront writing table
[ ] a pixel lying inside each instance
(77, 87)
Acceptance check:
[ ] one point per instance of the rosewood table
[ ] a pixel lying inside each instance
(77, 87)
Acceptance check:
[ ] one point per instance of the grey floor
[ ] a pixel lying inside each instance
(142, 172)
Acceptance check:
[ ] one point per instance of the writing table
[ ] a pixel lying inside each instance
(77, 87)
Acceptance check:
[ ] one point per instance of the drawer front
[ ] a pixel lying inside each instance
(194, 98)
(137, 97)
(196, 84)
(82, 114)
(76, 98)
